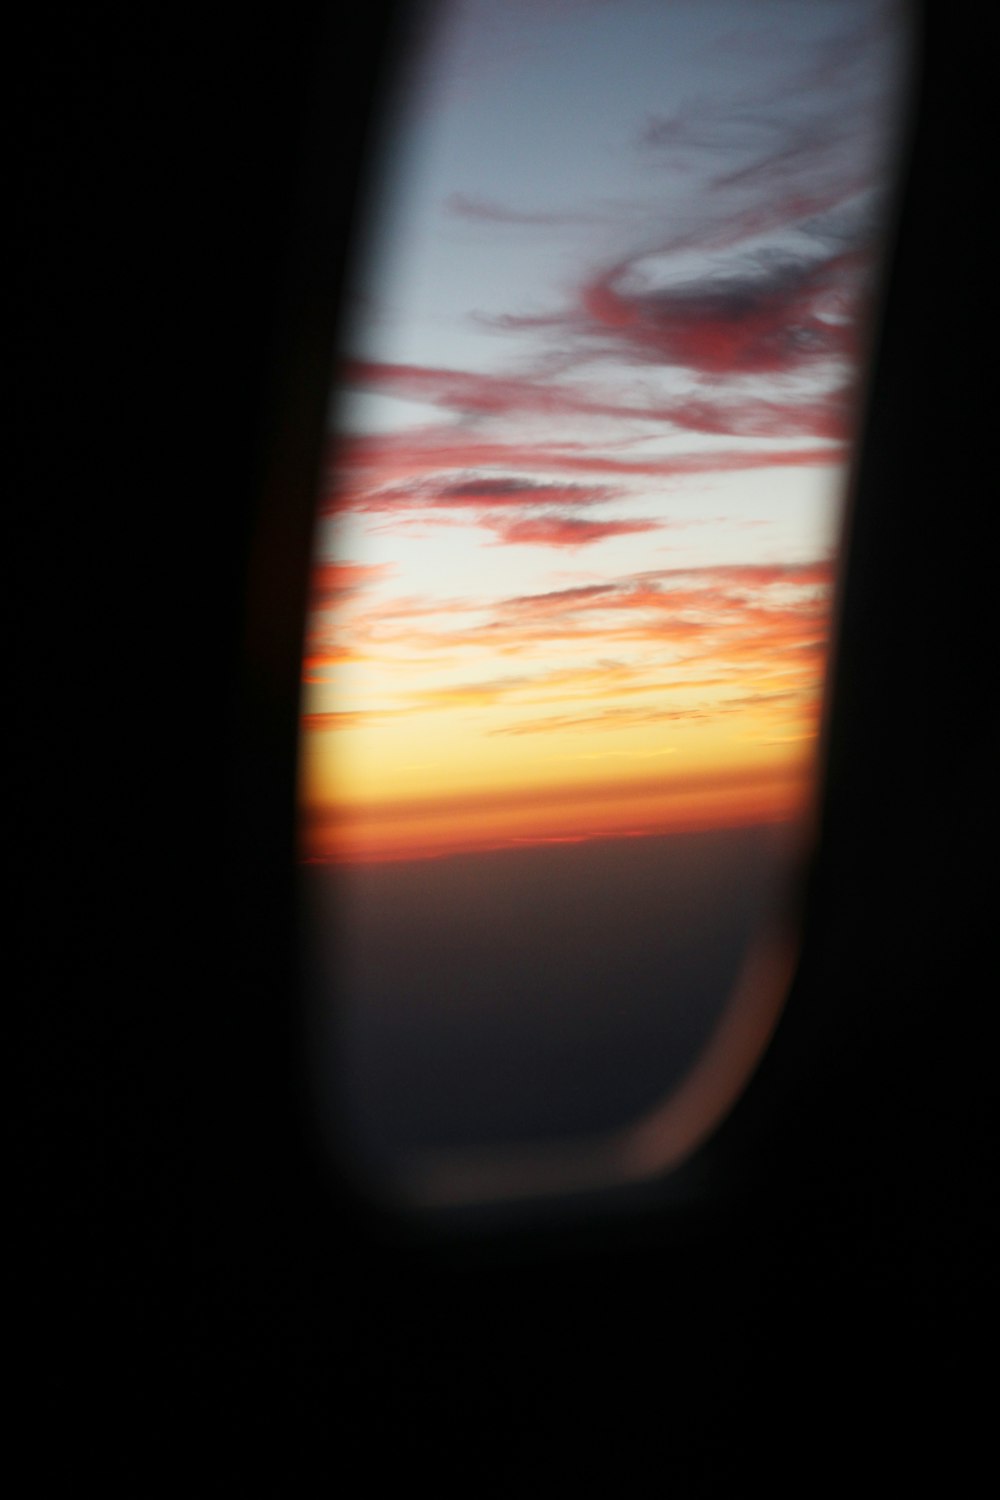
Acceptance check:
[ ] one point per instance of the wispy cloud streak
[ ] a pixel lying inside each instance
(489, 211)
(734, 636)
(466, 393)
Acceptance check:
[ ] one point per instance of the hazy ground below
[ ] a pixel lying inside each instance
(530, 993)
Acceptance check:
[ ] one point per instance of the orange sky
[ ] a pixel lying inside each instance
(671, 699)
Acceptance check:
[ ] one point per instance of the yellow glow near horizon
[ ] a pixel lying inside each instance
(429, 784)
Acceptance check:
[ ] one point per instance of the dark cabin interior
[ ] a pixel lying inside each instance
(208, 1305)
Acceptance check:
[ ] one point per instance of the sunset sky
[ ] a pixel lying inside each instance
(589, 424)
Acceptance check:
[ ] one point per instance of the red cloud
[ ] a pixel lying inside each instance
(500, 491)
(562, 531)
(517, 511)
(755, 613)
(768, 618)
(470, 393)
(755, 320)
(366, 472)
(434, 474)
(333, 582)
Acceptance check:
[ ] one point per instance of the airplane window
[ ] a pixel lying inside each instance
(590, 434)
